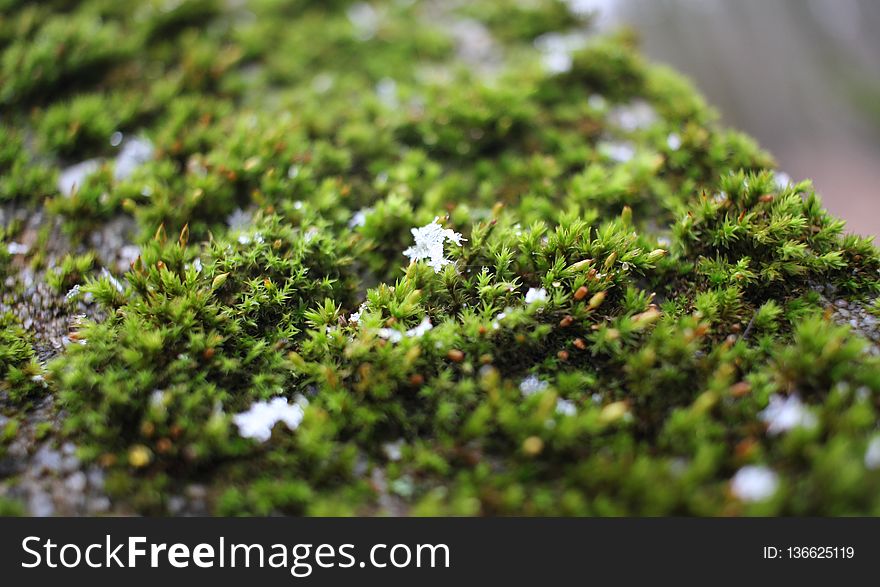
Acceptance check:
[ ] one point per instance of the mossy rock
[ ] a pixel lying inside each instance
(491, 263)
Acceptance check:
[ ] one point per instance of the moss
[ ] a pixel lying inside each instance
(21, 377)
(634, 285)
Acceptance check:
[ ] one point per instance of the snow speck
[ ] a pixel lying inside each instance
(786, 413)
(429, 244)
(356, 316)
(134, 153)
(115, 282)
(420, 330)
(74, 176)
(393, 450)
(386, 91)
(556, 50)
(754, 483)
(238, 220)
(782, 180)
(257, 422)
(359, 218)
(17, 248)
(532, 385)
(673, 141)
(620, 152)
(565, 407)
(116, 139)
(365, 20)
(536, 295)
(637, 115)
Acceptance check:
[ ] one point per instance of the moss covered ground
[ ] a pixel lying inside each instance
(470, 258)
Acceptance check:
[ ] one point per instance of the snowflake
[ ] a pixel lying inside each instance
(356, 316)
(396, 335)
(257, 422)
(673, 141)
(565, 407)
(359, 218)
(535, 295)
(71, 178)
(619, 152)
(390, 334)
(429, 244)
(754, 483)
(532, 385)
(782, 180)
(785, 413)
(420, 330)
(238, 220)
(113, 281)
(134, 153)
(17, 248)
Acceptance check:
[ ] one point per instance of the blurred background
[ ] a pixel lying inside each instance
(802, 76)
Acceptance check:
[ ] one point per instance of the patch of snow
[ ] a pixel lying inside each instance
(257, 422)
(17, 248)
(74, 176)
(637, 115)
(565, 407)
(536, 295)
(532, 385)
(754, 483)
(135, 152)
(621, 152)
(359, 218)
(785, 413)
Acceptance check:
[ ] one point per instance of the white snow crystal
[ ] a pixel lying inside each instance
(356, 316)
(393, 450)
(532, 385)
(673, 141)
(872, 455)
(365, 20)
(390, 334)
(386, 91)
(74, 291)
(565, 407)
(396, 335)
(429, 244)
(754, 483)
(557, 49)
(238, 220)
(782, 180)
(17, 248)
(359, 218)
(637, 115)
(785, 413)
(112, 279)
(420, 330)
(134, 153)
(258, 420)
(74, 176)
(620, 152)
(535, 295)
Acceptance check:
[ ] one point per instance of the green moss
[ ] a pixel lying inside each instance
(633, 289)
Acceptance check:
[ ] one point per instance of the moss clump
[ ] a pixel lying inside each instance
(622, 299)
